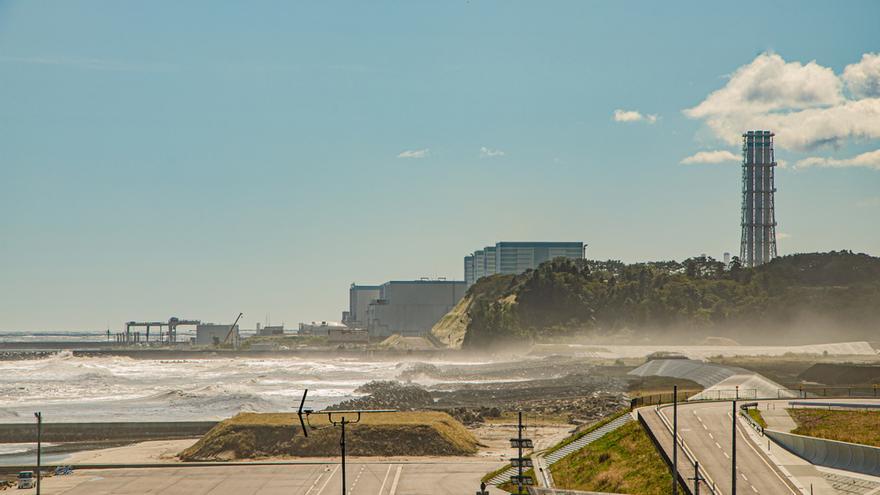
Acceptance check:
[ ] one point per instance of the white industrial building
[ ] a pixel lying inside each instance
(216, 334)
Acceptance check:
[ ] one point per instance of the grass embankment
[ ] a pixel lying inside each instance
(846, 426)
(755, 414)
(623, 461)
(252, 435)
(559, 445)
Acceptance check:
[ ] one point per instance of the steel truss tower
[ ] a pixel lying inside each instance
(758, 245)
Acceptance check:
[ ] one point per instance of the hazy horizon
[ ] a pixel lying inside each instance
(201, 160)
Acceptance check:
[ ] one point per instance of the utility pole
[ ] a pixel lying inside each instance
(519, 429)
(335, 422)
(39, 417)
(733, 453)
(675, 440)
(520, 443)
(697, 478)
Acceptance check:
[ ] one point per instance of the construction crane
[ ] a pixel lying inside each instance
(231, 330)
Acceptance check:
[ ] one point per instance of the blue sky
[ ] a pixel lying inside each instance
(203, 158)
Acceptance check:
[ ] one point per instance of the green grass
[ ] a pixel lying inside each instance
(589, 429)
(623, 461)
(845, 426)
(755, 414)
(565, 442)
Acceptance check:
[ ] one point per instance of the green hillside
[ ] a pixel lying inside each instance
(800, 298)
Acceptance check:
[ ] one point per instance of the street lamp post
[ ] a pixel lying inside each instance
(733, 451)
(675, 440)
(39, 417)
(341, 422)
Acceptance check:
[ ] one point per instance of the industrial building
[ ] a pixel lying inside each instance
(359, 298)
(412, 307)
(319, 328)
(216, 334)
(516, 257)
(758, 241)
(269, 330)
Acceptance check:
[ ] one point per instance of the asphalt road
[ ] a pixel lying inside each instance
(706, 431)
(306, 479)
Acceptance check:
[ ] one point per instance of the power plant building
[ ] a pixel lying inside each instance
(359, 299)
(412, 307)
(516, 257)
(758, 241)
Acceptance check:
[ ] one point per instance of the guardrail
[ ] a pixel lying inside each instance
(752, 394)
(708, 482)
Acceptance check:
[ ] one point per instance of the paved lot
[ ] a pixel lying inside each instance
(301, 479)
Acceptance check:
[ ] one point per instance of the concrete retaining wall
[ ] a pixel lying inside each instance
(830, 453)
(88, 432)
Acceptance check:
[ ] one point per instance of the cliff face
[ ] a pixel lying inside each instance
(452, 328)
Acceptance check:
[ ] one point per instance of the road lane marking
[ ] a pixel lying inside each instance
(396, 480)
(744, 476)
(357, 478)
(385, 479)
(753, 488)
(712, 436)
(328, 480)
(317, 480)
(705, 427)
(725, 454)
(749, 443)
(718, 445)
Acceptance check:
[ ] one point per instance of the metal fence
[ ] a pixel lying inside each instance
(752, 394)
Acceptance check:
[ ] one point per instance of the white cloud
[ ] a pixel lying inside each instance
(414, 153)
(490, 153)
(633, 116)
(717, 156)
(871, 159)
(803, 104)
(863, 79)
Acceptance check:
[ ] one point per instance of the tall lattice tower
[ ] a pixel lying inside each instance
(758, 245)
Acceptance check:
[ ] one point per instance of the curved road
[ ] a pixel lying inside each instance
(705, 429)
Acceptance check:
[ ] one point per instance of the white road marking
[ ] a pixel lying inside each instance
(396, 480)
(317, 480)
(356, 479)
(744, 476)
(725, 454)
(718, 445)
(385, 479)
(749, 443)
(705, 427)
(712, 436)
(753, 488)
(328, 480)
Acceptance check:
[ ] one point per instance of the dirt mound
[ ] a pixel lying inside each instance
(253, 435)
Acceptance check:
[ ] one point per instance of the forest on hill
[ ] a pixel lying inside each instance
(797, 299)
